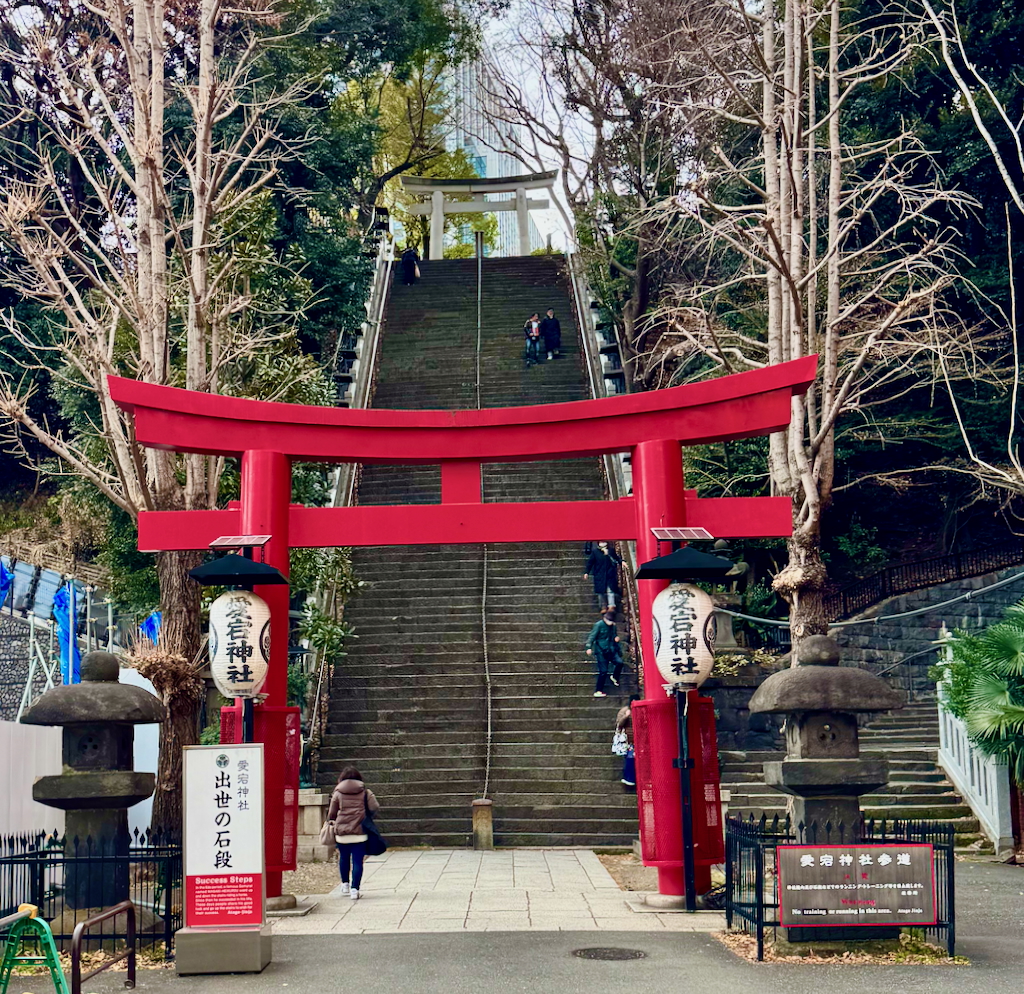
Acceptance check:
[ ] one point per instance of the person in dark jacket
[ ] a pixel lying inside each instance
(603, 568)
(531, 332)
(603, 645)
(410, 266)
(551, 330)
(350, 803)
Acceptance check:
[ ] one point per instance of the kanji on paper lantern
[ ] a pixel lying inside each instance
(239, 643)
(684, 634)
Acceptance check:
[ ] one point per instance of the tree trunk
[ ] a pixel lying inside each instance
(801, 583)
(1017, 817)
(180, 632)
(174, 670)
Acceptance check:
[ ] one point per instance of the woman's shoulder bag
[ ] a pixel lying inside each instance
(376, 844)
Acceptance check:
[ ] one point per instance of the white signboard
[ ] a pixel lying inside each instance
(224, 836)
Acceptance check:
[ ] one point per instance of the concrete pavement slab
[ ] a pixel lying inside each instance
(438, 889)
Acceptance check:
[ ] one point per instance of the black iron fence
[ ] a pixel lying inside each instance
(70, 880)
(751, 872)
(904, 578)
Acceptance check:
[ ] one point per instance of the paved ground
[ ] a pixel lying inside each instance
(990, 902)
(444, 890)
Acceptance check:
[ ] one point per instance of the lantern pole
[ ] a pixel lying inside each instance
(248, 719)
(248, 704)
(684, 763)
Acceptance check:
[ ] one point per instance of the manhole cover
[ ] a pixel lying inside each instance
(609, 952)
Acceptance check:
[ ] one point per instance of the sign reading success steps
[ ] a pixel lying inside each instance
(224, 836)
(861, 884)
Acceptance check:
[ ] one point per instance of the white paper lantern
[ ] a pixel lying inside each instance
(239, 643)
(684, 634)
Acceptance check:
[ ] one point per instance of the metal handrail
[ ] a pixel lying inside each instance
(932, 571)
(362, 386)
(347, 474)
(616, 480)
(129, 954)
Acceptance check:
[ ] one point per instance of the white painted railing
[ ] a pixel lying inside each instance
(983, 781)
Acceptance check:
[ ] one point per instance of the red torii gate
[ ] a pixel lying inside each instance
(268, 437)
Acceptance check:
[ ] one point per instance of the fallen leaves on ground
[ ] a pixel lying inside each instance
(912, 952)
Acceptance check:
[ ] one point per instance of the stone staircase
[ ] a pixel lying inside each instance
(409, 703)
(918, 787)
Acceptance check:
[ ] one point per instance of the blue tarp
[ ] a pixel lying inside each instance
(65, 604)
(151, 627)
(6, 580)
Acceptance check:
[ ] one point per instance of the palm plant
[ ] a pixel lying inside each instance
(983, 686)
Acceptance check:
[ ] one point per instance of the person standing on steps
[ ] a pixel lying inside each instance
(603, 568)
(410, 266)
(552, 333)
(351, 802)
(603, 645)
(531, 332)
(624, 724)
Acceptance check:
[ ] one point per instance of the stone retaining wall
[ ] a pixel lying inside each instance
(13, 664)
(878, 646)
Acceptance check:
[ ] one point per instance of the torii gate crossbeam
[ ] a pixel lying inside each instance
(268, 437)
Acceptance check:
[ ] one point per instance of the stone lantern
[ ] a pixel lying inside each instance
(98, 784)
(823, 771)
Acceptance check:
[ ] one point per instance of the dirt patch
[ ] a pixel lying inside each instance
(150, 958)
(913, 951)
(311, 878)
(629, 873)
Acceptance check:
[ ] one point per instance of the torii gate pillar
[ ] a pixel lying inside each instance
(266, 491)
(660, 501)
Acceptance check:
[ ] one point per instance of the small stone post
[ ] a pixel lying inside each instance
(483, 824)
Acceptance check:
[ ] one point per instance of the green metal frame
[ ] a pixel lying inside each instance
(27, 927)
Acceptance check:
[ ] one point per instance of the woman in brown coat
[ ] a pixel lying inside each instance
(350, 803)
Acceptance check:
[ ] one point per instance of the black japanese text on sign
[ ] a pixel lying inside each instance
(681, 637)
(863, 884)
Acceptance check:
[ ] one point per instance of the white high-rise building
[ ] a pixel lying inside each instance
(474, 132)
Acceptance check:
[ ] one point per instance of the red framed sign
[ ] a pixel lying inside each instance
(891, 883)
(224, 868)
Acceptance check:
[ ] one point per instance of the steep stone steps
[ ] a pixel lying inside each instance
(409, 704)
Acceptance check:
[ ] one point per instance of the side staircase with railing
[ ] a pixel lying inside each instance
(919, 574)
(919, 786)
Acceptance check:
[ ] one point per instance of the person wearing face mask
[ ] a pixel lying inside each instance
(603, 569)
(603, 646)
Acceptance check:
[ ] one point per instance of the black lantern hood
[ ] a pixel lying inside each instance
(684, 564)
(236, 571)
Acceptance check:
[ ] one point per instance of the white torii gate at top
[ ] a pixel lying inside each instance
(439, 189)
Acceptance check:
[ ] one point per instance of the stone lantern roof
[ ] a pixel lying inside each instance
(818, 683)
(99, 698)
